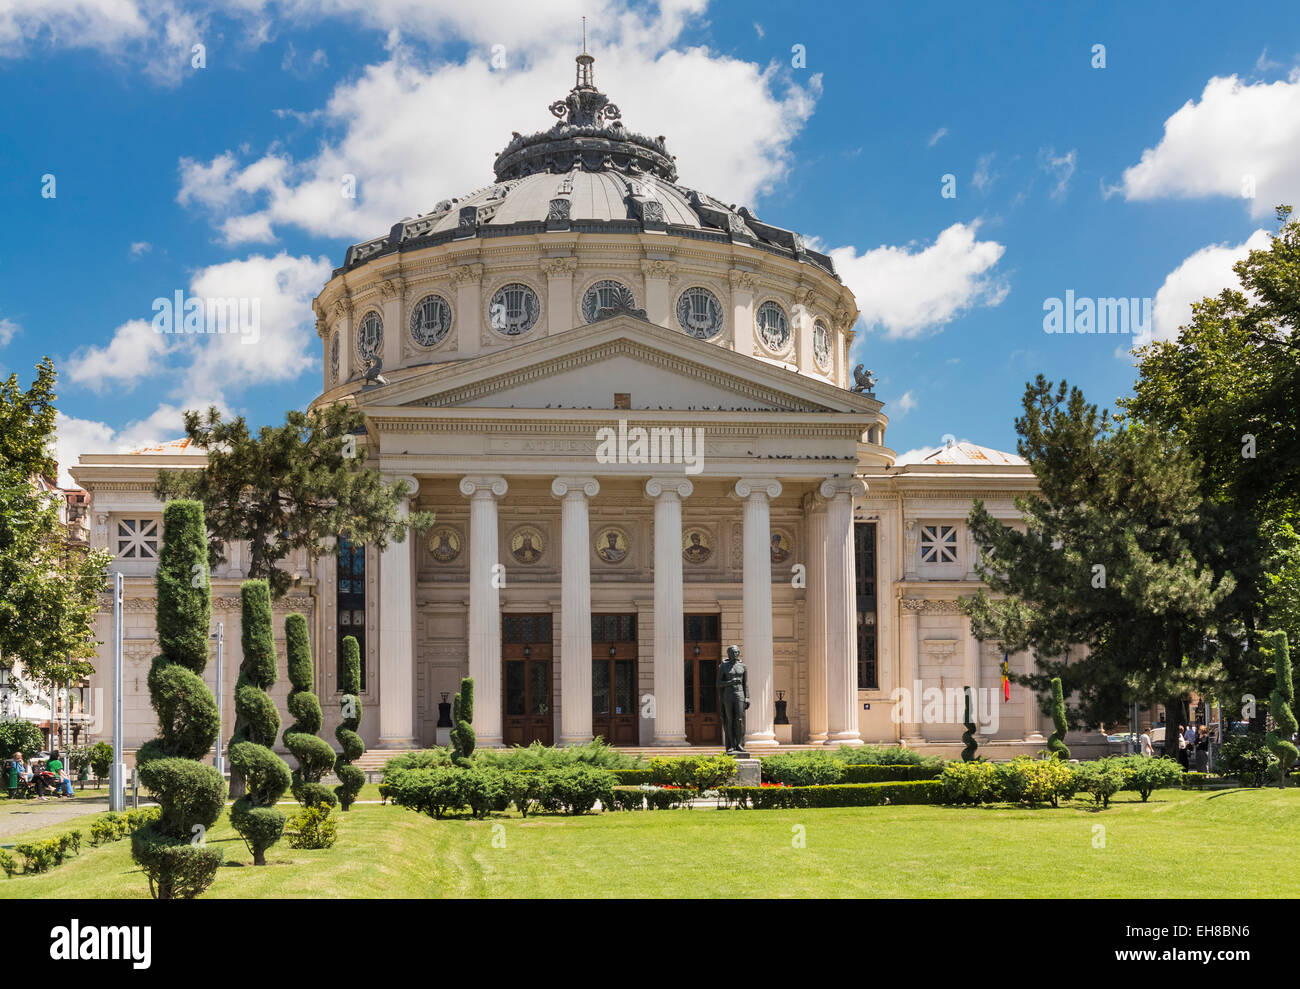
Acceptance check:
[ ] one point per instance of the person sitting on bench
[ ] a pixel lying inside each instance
(63, 785)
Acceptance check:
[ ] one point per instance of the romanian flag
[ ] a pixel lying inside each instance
(1006, 679)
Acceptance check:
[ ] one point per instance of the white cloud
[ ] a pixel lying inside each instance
(73, 437)
(278, 290)
(1207, 272)
(937, 136)
(1060, 167)
(984, 176)
(8, 330)
(907, 292)
(905, 403)
(139, 248)
(399, 121)
(1239, 135)
(135, 352)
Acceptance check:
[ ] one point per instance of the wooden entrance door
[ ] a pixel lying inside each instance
(703, 654)
(527, 714)
(613, 679)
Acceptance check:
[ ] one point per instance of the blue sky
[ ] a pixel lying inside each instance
(1119, 181)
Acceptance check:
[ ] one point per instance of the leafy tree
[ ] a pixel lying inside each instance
(351, 779)
(1120, 553)
(171, 848)
(1056, 743)
(49, 592)
(289, 487)
(314, 755)
(462, 715)
(265, 775)
(1226, 389)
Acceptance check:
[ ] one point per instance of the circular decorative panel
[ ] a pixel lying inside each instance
(697, 546)
(822, 345)
(527, 544)
(370, 336)
(773, 327)
(611, 544)
(430, 321)
(699, 313)
(606, 294)
(444, 544)
(781, 546)
(514, 309)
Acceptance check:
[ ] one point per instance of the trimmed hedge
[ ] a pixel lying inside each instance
(835, 795)
(871, 773)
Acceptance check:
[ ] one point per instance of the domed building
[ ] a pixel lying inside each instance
(630, 406)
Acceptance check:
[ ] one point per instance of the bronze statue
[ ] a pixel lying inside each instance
(733, 701)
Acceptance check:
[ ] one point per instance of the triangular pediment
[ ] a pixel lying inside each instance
(585, 367)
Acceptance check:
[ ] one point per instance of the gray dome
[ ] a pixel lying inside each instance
(586, 174)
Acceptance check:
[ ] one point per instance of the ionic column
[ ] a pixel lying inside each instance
(841, 612)
(670, 644)
(910, 667)
(484, 605)
(815, 607)
(756, 642)
(396, 639)
(575, 608)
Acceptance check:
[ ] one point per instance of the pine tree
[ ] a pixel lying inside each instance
(1121, 553)
(314, 755)
(290, 487)
(462, 716)
(351, 779)
(172, 850)
(1056, 743)
(265, 774)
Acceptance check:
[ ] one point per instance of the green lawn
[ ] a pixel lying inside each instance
(1230, 841)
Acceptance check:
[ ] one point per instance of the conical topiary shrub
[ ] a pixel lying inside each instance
(350, 777)
(314, 755)
(462, 714)
(1279, 706)
(257, 723)
(968, 736)
(1056, 743)
(172, 850)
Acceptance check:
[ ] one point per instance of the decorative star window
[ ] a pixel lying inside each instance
(370, 337)
(699, 313)
(430, 320)
(514, 309)
(938, 544)
(137, 539)
(773, 327)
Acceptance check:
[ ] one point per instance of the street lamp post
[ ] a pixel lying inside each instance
(220, 761)
(117, 779)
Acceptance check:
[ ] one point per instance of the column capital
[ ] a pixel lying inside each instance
(812, 502)
(680, 486)
(562, 486)
(483, 484)
(747, 486)
(854, 487)
(410, 481)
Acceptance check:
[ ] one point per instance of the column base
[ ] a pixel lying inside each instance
(1035, 736)
(404, 742)
(838, 738)
(761, 740)
(489, 742)
(671, 741)
(817, 738)
(575, 739)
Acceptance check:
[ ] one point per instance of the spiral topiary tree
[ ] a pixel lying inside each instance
(265, 774)
(171, 850)
(462, 714)
(314, 755)
(1056, 743)
(1279, 706)
(351, 779)
(968, 736)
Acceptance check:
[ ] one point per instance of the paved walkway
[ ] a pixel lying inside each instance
(17, 816)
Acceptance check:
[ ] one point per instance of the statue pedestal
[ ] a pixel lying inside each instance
(747, 773)
(442, 737)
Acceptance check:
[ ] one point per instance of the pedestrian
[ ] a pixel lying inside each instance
(63, 785)
(1144, 743)
(1203, 750)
